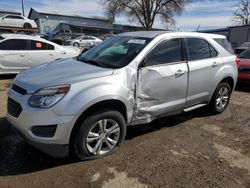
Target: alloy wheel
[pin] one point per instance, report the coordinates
(103, 136)
(222, 98)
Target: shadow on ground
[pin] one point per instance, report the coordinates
(244, 87)
(7, 76)
(17, 157)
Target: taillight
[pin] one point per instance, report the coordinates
(237, 61)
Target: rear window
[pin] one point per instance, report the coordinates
(225, 44)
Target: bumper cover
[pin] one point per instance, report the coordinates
(54, 150)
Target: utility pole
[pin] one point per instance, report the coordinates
(23, 7)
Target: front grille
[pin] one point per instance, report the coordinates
(18, 89)
(14, 108)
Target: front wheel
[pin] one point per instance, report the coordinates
(221, 97)
(99, 135)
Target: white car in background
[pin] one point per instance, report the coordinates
(19, 52)
(84, 41)
(17, 21)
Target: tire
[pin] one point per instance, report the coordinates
(93, 141)
(221, 98)
(76, 44)
(27, 26)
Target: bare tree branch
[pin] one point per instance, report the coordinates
(242, 13)
(145, 11)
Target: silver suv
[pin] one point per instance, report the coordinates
(85, 105)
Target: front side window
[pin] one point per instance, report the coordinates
(169, 51)
(38, 45)
(197, 49)
(13, 44)
(115, 52)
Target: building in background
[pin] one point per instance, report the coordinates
(53, 22)
(236, 35)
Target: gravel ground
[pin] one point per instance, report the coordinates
(189, 150)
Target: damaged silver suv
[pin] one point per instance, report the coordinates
(85, 105)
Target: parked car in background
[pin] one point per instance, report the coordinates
(244, 67)
(85, 105)
(84, 41)
(17, 21)
(19, 52)
(107, 36)
(241, 48)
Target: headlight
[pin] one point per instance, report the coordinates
(49, 96)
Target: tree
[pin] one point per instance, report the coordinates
(145, 11)
(242, 12)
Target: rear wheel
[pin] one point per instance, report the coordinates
(100, 135)
(76, 44)
(27, 26)
(220, 98)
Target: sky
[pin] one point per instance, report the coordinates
(202, 14)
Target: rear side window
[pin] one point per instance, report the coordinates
(198, 49)
(13, 44)
(169, 51)
(225, 44)
(213, 52)
(38, 45)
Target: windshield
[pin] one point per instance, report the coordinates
(246, 44)
(115, 52)
(77, 37)
(245, 54)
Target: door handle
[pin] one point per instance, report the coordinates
(215, 64)
(179, 73)
(22, 55)
(51, 54)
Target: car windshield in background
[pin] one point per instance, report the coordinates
(115, 52)
(225, 44)
(246, 44)
(245, 54)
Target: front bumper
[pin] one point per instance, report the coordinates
(57, 144)
(54, 150)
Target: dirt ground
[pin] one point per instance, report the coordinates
(189, 150)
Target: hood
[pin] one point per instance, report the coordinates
(244, 62)
(67, 71)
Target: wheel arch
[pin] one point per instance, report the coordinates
(113, 104)
(230, 81)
